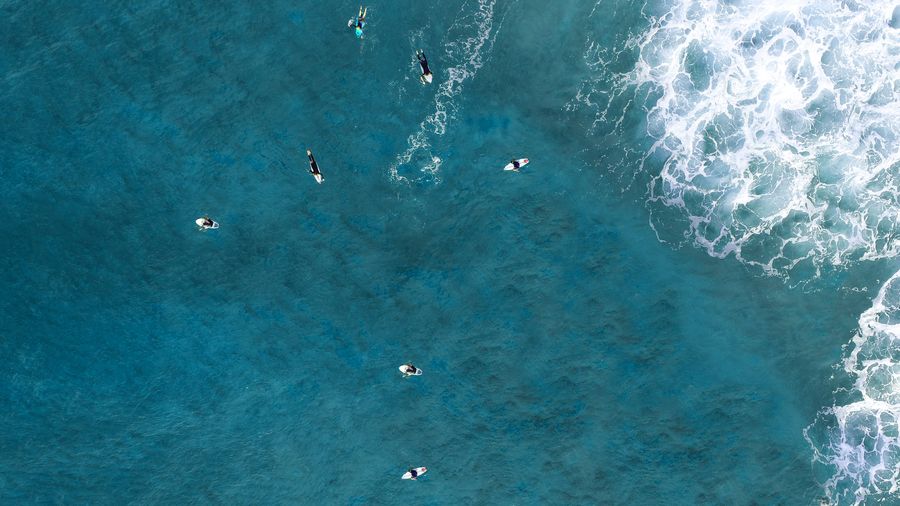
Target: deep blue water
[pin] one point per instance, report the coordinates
(570, 357)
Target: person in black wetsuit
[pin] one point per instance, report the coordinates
(411, 369)
(516, 164)
(313, 166)
(414, 473)
(207, 223)
(426, 72)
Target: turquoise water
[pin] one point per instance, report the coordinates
(570, 356)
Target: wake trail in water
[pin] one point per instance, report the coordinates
(469, 52)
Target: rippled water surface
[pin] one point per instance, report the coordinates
(654, 311)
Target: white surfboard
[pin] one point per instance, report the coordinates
(419, 472)
(405, 370)
(199, 222)
(318, 178)
(522, 162)
(427, 78)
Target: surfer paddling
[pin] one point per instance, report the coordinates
(426, 76)
(314, 167)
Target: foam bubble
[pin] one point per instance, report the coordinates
(468, 52)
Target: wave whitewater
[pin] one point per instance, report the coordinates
(857, 441)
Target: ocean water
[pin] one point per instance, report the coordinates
(688, 297)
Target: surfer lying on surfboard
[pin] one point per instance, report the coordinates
(516, 164)
(314, 167)
(206, 223)
(426, 72)
(414, 473)
(410, 370)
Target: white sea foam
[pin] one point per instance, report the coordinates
(779, 125)
(857, 442)
(469, 52)
(774, 130)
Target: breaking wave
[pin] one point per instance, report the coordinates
(777, 123)
(856, 441)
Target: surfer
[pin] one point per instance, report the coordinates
(314, 167)
(414, 473)
(515, 164)
(206, 223)
(410, 370)
(360, 21)
(426, 72)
